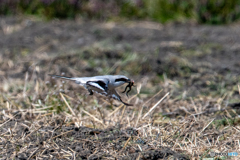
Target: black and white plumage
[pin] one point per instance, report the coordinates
(104, 85)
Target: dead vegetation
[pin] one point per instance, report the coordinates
(185, 105)
(76, 126)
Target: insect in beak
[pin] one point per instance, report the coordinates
(130, 84)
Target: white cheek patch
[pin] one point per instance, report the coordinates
(119, 83)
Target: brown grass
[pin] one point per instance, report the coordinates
(185, 104)
(192, 127)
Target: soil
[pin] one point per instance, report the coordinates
(56, 140)
(204, 60)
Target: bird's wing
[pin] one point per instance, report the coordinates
(99, 86)
(113, 94)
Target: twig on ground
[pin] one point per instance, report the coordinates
(25, 85)
(33, 132)
(122, 113)
(96, 119)
(140, 113)
(67, 104)
(207, 125)
(155, 105)
(8, 120)
(33, 153)
(238, 89)
(62, 134)
(125, 145)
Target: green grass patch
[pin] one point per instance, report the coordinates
(211, 12)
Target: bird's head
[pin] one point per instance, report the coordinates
(120, 80)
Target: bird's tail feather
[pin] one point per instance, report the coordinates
(57, 76)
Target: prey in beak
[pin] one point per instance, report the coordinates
(130, 84)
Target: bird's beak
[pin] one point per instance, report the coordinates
(130, 81)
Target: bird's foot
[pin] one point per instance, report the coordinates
(90, 92)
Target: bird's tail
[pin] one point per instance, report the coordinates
(57, 76)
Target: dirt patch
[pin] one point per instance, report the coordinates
(33, 137)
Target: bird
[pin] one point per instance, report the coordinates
(104, 85)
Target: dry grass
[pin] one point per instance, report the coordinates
(41, 118)
(39, 123)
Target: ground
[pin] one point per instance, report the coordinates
(196, 65)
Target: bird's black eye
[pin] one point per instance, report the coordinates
(121, 80)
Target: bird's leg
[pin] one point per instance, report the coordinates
(90, 92)
(126, 103)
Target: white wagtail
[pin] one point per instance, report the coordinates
(104, 85)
